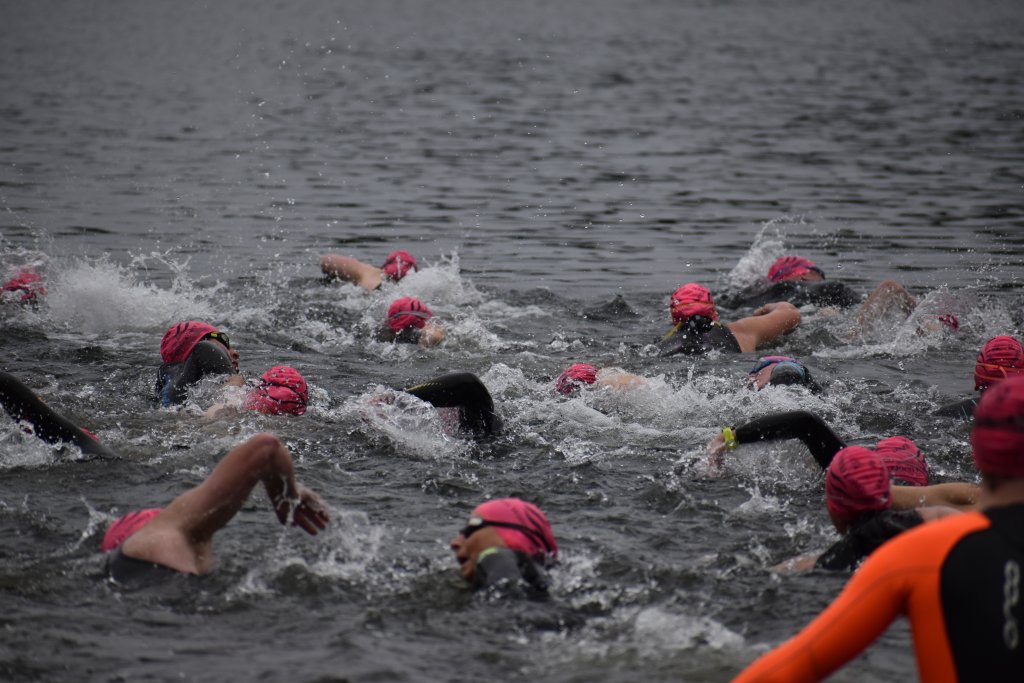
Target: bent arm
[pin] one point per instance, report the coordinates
(353, 270)
(465, 391)
(959, 495)
(768, 323)
(798, 424)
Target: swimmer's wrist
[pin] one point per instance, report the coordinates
(729, 437)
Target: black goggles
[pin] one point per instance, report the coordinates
(221, 337)
(475, 524)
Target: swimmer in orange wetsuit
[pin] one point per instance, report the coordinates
(958, 579)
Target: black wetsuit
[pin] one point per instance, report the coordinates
(129, 570)
(21, 404)
(407, 335)
(963, 409)
(696, 336)
(796, 292)
(798, 424)
(865, 536)
(464, 391)
(504, 570)
(174, 379)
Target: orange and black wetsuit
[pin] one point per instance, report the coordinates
(959, 582)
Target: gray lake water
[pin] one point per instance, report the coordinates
(559, 168)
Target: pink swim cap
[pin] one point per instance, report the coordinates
(397, 264)
(281, 390)
(28, 282)
(407, 312)
(574, 376)
(856, 482)
(122, 528)
(904, 459)
(998, 435)
(690, 300)
(791, 268)
(1000, 357)
(521, 525)
(180, 339)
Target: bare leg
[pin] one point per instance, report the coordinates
(348, 268)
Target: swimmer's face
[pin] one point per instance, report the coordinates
(467, 549)
(232, 354)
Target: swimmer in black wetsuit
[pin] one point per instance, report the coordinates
(697, 329)
(467, 395)
(190, 351)
(23, 405)
(798, 281)
(396, 266)
(999, 358)
(179, 538)
(411, 322)
(506, 546)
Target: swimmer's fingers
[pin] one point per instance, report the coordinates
(311, 514)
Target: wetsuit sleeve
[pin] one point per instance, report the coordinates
(962, 409)
(21, 404)
(798, 424)
(505, 568)
(465, 391)
(207, 358)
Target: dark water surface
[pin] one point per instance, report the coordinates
(559, 168)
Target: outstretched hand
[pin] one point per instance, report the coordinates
(716, 449)
(310, 514)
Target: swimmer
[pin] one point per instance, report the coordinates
(411, 322)
(24, 406)
(697, 329)
(958, 579)
(25, 287)
(156, 543)
(578, 375)
(799, 281)
(999, 358)
(780, 371)
(281, 390)
(396, 266)
(507, 543)
(190, 351)
(468, 398)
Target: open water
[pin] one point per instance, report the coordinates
(559, 167)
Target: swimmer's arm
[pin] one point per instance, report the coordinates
(795, 565)
(766, 324)
(960, 495)
(798, 424)
(617, 378)
(353, 270)
(431, 334)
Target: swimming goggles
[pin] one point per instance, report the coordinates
(475, 524)
(416, 314)
(221, 337)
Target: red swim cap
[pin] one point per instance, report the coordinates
(998, 435)
(573, 376)
(690, 300)
(281, 390)
(856, 482)
(397, 264)
(1000, 357)
(122, 528)
(180, 339)
(407, 312)
(528, 529)
(792, 268)
(904, 459)
(28, 282)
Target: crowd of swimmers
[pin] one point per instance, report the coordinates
(948, 555)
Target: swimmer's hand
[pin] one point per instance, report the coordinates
(769, 307)
(235, 381)
(795, 565)
(310, 514)
(716, 452)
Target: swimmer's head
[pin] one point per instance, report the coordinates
(122, 528)
(794, 268)
(398, 264)
(779, 371)
(574, 377)
(904, 459)
(1000, 357)
(281, 390)
(407, 312)
(504, 522)
(692, 300)
(997, 439)
(856, 483)
(180, 339)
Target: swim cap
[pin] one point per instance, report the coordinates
(1000, 357)
(180, 339)
(691, 300)
(904, 459)
(998, 435)
(856, 482)
(573, 376)
(122, 528)
(528, 529)
(281, 390)
(787, 370)
(26, 281)
(397, 264)
(950, 320)
(407, 312)
(792, 268)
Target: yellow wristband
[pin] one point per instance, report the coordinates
(729, 436)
